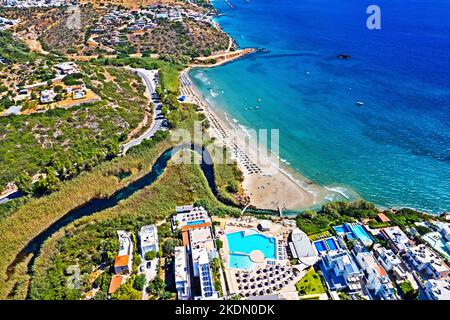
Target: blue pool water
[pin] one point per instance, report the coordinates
(332, 244)
(361, 234)
(320, 246)
(394, 150)
(339, 229)
(195, 222)
(240, 261)
(240, 246)
(350, 236)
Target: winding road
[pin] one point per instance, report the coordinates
(150, 78)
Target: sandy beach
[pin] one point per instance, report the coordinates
(268, 184)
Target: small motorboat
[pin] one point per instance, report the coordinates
(359, 103)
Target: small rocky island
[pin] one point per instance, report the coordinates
(344, 56)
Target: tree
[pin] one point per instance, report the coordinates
(156, 286)
(24, 183)
(168, 247)
(233, 186)
(139, 282)
(150, 255)
(407, 290)
(47, 185)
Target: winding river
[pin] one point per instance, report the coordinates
(98, 204)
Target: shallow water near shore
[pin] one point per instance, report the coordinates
(395, 149)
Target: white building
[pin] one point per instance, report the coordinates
(47, 96)
(398, 240)
(341, 271)
(201, 267)
(437, 289)
(193, 260)
(444, 229)
(302, 248)
(390, 261)
(66, 68)
(182, 277)
(149, 239)
(124, 260)
(377, 279)
(188, 216)
(425, 260)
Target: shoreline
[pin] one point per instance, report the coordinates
(269, 183)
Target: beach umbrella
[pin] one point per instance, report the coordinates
(261, 293)
(247, 294)
(254, 293)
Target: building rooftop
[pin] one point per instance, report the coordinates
(181, 272)
(397, 236)
(424, 255)
(438, 289)
(148, 235)
(302, 248)
(121, 261)
(125, 244)
(115, 283)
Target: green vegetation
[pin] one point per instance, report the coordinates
(150, 255)
(92, 241)
(406, 217)
(215, 266)
(422, 230)
(64, 142)
(12, 49)
(407, 291)
(168, 71)
(139, 282)
(310, 284)
(334, 213)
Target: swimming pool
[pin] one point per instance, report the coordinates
(339, 229)
(241, 244)
(320, 246)
(361, 234)
(195, 222)
(332, 244)
(240, 261)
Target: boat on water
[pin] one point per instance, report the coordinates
(307, 73)
(359, 103)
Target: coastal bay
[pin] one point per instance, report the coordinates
(392, 150)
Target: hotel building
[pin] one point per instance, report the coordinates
(193, 273)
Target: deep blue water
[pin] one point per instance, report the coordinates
(394, 150)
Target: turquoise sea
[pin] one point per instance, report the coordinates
(395, 149)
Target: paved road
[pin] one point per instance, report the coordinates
(150, 78)
(10, 196)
